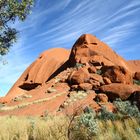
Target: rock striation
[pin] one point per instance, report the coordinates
(62, 81)
(38, 73)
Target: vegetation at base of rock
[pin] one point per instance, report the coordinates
(84, 127)
(137, 130)
(88, 120)
(99, 72)
(137, 82)
(79, 65)
(89, 125)
(56, 127)
(105, 115)
(127, 109)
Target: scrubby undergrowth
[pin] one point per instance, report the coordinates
(56, 128)
(123, 125)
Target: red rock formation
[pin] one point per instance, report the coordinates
(95, 52)
(79, 76)
(117, 74)
(85, 86)
(39, 72)
(134, 65)
(118, 90)
(101, 98)
(106, 80)
(91, 75)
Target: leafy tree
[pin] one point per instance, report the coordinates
(10, 11)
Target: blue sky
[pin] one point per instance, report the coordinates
(58, 23)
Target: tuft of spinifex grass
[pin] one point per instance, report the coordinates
(56, 127)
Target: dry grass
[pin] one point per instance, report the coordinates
(33, 128)
(75, 95)
(88, 126)
(56, 128)
(119, 130)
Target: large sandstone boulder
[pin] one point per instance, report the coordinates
(106, 80)
(91, 50)
(79, 76)
(118, 90)
(39, 72)
(101, 97)
(96, 77)
(47, 63)
(85, 86)
(117, 74)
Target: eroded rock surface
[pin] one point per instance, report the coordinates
(60, 81)
(118, 90)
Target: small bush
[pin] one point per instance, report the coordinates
(126, 108)
(137, 130)
(99, 72)
(79, 65)
(137, 82)
(89, 121)
(90, 110)
(85, 126)
(105, 115)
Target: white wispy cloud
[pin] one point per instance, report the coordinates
(90, 22)
(119, 33)
(67, 2)
(125, 9)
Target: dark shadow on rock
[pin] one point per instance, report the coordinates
(60, 69)
(29, 86)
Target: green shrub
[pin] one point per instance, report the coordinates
(126, 108)
(89, 121)
(105, 115)
(137, 130)
(84, 126)
(78, 65)
(90, 110)
(99, 72)
(137, 82)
